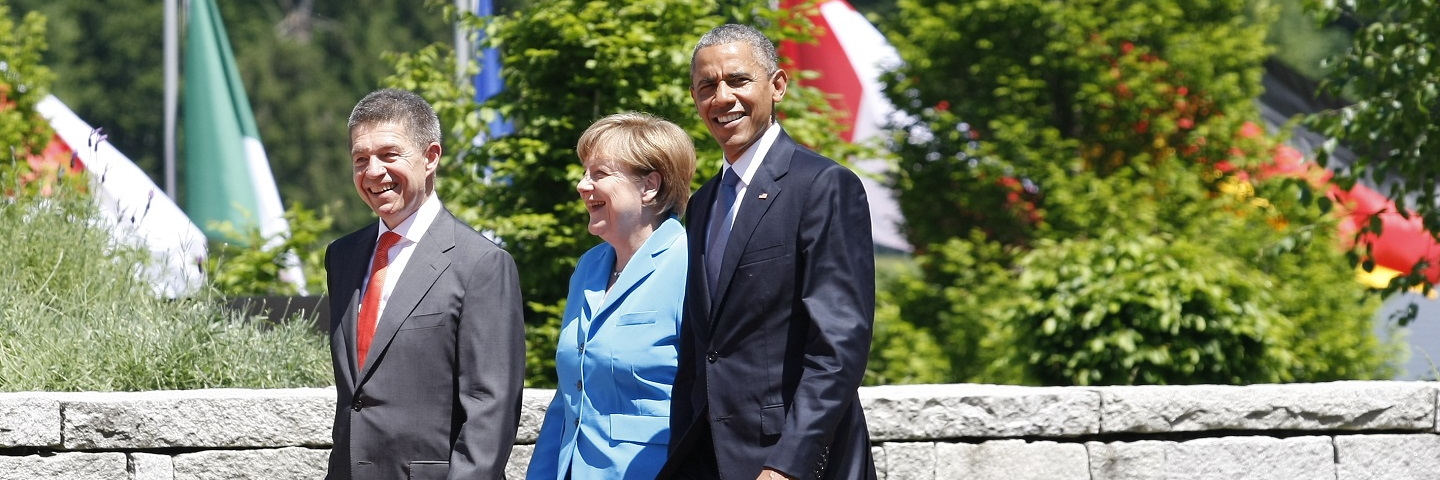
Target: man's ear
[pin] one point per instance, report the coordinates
(432, 157)
(779, 82)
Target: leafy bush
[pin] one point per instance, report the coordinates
(1085, 188)
(902, 351)
(1144, 310)
(248, 263)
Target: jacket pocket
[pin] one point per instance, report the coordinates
(762, 254)
(429, 470)
(637, 318)
(772, 419)
(640, 429)
(424, 320)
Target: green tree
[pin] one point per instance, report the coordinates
(24, 81)
(565, 64)
(1085, 191)
(1298, 42)
(107, 58)
(1391, 73)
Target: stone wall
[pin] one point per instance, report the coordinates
(1330, 431)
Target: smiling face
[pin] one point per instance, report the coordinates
(621, 203)
(392, 175)
(734, 95)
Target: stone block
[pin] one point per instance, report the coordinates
(149, 466)
(290, 463)
(65, 466)
(878, 453)
(215, 418)
(925, 412)
(1387, 457)
(29, 420)
(1011, 460)
(1251, 458)
(519, 462)
(1314, 407)
(909, 461)
(1142, 460)
(532, 413)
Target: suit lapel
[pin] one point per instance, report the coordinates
(641, 265)
(356, 265)
(594, 286)
(762, 192)
(422, 270)
(698, 218)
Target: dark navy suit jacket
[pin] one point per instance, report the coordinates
(774, 360)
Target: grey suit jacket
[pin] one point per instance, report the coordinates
(439, 397)
(773, 363)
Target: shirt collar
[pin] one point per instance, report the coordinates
(415, 227)
(749, 162)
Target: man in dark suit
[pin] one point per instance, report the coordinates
(426, 333)
(780, 297)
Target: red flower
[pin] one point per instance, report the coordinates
(1249, 130)
(943, 106)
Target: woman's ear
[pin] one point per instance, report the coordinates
(650, 188)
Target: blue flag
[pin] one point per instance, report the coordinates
(488, 82)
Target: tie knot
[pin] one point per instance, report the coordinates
(388, 240)
(730, 179)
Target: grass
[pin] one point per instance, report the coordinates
(76, 316)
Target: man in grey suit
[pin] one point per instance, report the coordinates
(426, 334)
(780, 299)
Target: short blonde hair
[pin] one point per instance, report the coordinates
(645, 143)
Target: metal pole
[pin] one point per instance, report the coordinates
(462, 39)
(172, 89)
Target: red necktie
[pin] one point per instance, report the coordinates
(370, 305)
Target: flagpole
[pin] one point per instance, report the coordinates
(462, 39)
(172, 89)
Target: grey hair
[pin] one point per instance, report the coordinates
(760, 45)
(390, 105)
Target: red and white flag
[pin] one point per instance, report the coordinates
(850, 54)
(136, 211)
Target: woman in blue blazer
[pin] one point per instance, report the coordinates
(616, 357)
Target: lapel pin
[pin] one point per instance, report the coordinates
(764, 196)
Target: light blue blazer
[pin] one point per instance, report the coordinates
(616, 360)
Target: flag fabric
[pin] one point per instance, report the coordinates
(850, 54)
(137, 212)
(227, 175)
(488, 82)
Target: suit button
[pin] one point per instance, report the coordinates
(712, 357)
(579, 384)
(359, 404)
(577, 422)
(582, 348)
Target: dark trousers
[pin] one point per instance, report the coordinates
(697, 462)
